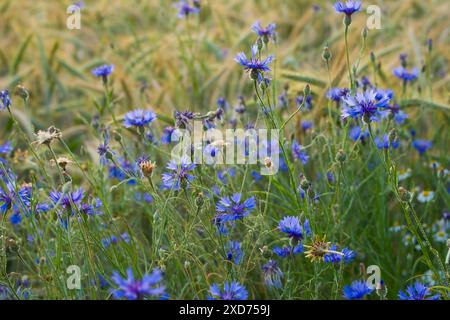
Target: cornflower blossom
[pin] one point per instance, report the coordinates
(405, 74)
(138, 118)
(265, 33)
(422, 145)
(131, 288)
(103, 72)
(5, 99)
(185, 9)
(179, 174)
(417, 291)
(366, 105)
(255, 66)
(231, 291)
(272, 274)
(357, 290)
(233, 208)
(299, 153)
(347, 7)
(234, 252)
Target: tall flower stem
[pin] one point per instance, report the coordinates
(348, 57)
(413, 221)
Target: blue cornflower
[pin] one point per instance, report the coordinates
(138, 118)
(330, 177)
(232, 208)
(356, 134)
(231, 291)
(299, 153)
(234, 252)
(223, 175)
(222, 103)
(92, 208)
(336, 94)
(104, 150)
(308, 102)
(256, 176)
(346, 254)
(265, 33)
(349, 7)
(272, 274)
(284, 252)
(422, 145)
(17, 200)
(291, 226)
(182, 119)
(283, 99)
(306, 125)
(384, 143)
(5, 149)
(166, 137)
(179, 174)
(366, 105)
(5, 99)
(417, 291)
(133, 289)
(15, 218)
(405, 74)
(185, 9)
(398, 115)
(357, 290)
(103, 71)
(65, 200)
(254, 65)
(123, 169)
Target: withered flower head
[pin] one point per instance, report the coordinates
(318, 249)
(62, 162)
(46, 137)
(147, 168)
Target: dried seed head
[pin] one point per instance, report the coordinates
(318, 249)
(46, 137)
(62, 162)
(268, 163)
(22, 92)
(147, 168)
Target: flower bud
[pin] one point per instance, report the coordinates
(347, 20)
(405, 195)
(341, 156)
(326, 54)
(147, 168)
(307, 90)
(305, 184)
(200, 200)
(22, 92)
(392, 136)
